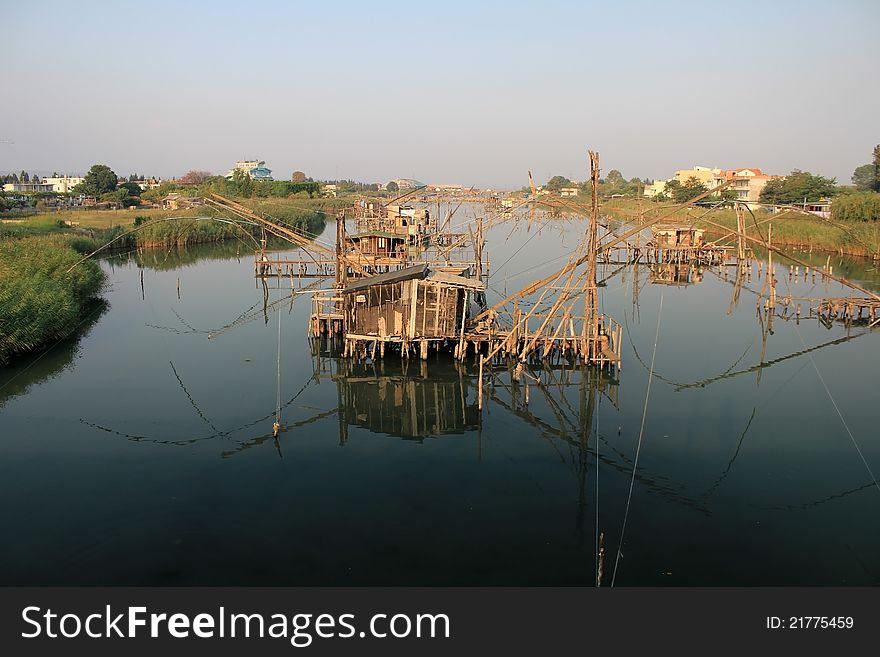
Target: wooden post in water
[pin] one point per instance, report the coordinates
(591, 313)
(770, 273)
(340, 250)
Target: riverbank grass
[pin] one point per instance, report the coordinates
(40, 300)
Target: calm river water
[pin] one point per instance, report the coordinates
(141, 451)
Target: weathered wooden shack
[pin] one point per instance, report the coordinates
(665, 236)
(414, 305)
(378, 243)
(413, 224)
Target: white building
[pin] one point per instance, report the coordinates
(256, 169)
(655, 189)
(27, 187)
(148, 183)
(63, 184)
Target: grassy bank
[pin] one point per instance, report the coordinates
(167, 228)
(39, 300)
(793, 229)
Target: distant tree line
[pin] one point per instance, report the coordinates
(351, 186)
(23, 177)
(613, 184)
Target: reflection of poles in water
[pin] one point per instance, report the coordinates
(766, 329)
(265, 301)
(585, 417)
(277, 424)
(769, 305)
(341, 405)
(741, 263)
(636, 289)
(190, 398)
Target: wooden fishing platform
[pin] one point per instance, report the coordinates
(266, 266)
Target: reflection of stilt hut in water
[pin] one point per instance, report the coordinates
(675, 273)
(410, 306)
(410, 407)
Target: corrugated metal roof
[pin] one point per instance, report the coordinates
(418, 271)
(453, 279)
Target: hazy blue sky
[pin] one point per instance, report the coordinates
(469, 92)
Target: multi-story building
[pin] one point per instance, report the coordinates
(704, 174)
(63, 184)
(254, 168)
(748, 183)
(27, 187)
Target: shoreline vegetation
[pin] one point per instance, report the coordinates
(41, 301)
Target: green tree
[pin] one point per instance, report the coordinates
(858, 206)
(615, 178)
(691, 189)
(864, 177)
(797, 187)
(133, 188)
(392, 187)
(121, 196)
(877, 168)
(556, 183)
(671, 188)
(243, 184)
(99, 180)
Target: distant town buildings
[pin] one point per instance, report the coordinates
(329, 190)
(256, 169)
(568, 191)
(747, 182)
(443, 187)
(148, 183)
